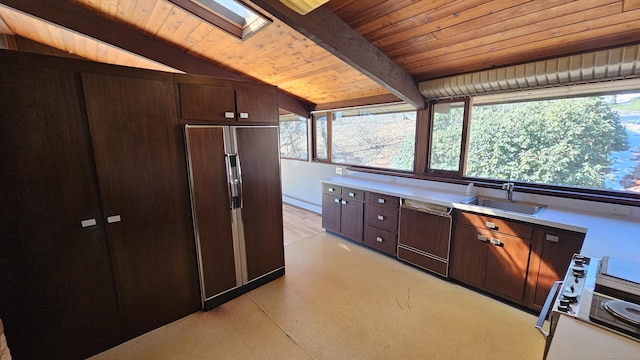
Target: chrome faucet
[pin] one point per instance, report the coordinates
(509, 187)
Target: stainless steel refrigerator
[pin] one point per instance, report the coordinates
(236, 201)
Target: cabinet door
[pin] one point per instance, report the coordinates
(140, 160)
(207, 103)
(259, 156)
(352, 219)
(468, 256)
(331, 213)
(506, 270)
(57, 291)
(557, 248)
(211, 209)
(257, 106)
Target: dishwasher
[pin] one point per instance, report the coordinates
(424, 237)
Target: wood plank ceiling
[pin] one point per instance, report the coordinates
(425, 38)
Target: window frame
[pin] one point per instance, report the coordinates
(592, 194)
(222, 23)
(464, 142)
(331, 116)
(307, 132)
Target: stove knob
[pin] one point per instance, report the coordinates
(564, 308)
(564, 302)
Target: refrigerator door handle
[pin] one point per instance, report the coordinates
(239, 182)
(235, 181)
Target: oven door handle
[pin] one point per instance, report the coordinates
(546, 307)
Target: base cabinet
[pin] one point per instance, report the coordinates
(550, 260)
(343, 211)
(491, 254)
(381, 222)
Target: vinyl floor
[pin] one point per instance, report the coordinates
(340, 300)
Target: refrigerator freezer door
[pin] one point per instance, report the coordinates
(207, 147)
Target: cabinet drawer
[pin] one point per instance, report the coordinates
(495, 225)
(354, 194)
(383, 200)
(332, 189)
(382, 217)
(380, 239)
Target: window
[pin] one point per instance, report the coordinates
(293, 137)
(321, 139)
(380, 137)
(446, 137)
(587, 143)
(228, 15)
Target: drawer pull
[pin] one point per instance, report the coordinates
(336, 200)
(88, 223)
(482, 238)
(229, 115)
(344, 202)
(379, 239)
(381, 201)
(553, 238)
(380, 217)
(331, 189)
(244, 115)
(491, 225)
(113, 219)
(497, 242)
(352, 194)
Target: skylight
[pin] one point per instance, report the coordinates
(228, 15)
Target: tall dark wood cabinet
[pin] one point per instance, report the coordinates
(139, 159)
(57, 292)
(97, 243)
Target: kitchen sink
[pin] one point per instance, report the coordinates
(520, 207)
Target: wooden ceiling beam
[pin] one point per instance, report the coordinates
(328, 31)
(81, 20)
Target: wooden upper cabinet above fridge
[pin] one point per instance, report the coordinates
(226, 102)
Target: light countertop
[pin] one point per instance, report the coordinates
(606, 235)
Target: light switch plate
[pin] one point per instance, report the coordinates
(339, 170)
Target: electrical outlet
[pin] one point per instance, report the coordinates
(621, 210)
(339, 170)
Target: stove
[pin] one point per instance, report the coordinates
(616, 297)
(603, 292)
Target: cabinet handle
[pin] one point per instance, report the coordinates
(336, 200)
(113, 219)
(332, 189)
(244, 115)
(344, 202)
(552, 238)
(88, 222)
(491, 225)
(482, 238)
(229, 115)
(352, 194)
(379, 239)
(497, 242)
(380, 217)
(380, 201)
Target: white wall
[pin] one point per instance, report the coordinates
(301, 184)
(302, 187)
